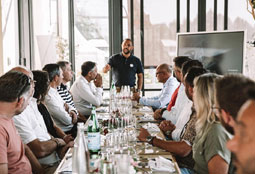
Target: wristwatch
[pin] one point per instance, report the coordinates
(150, 139)
(168, 133)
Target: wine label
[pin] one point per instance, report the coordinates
(94, 140)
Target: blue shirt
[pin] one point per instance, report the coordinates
(124, 70)
(164, 97)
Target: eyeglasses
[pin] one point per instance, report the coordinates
(160, 72)
(28, 82)
(216, 110)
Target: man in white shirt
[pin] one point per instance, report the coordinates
(164, 75)
(63, 114)
(184, 114)
(87, 90)
(33, 132)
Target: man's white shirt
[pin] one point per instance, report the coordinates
(31, 126)
(56, 108)
(85, 95)
(175, 111)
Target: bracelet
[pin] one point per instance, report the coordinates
(57, 142)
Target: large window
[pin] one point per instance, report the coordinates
(91, 35)
(159, 38)
(243, 21)
(10, 34)
(220, 15)
(50, 23)
(193, 15)
(210, 15)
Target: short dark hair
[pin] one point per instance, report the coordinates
(191, 63)
(232, 92)
(251, 93)
(179, 60)
(13, 85)
(52, 69)
(127, 39)
(62, 64)
(86, 67)
(41, 85)
(192, 74)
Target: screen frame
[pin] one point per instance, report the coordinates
(217, 32)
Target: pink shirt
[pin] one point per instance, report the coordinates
(12, 150)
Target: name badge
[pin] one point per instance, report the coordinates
(131, 65)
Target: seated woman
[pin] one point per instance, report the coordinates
(41, 89)
(209, 148)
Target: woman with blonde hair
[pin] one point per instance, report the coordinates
(209, 149)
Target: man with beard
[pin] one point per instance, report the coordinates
(15, 92)
(231, 94)
(125, 66)
(243, 143)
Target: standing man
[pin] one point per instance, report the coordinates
(125, 66)
(164, 75)
(15, 93)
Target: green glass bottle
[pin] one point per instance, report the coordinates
(94, 136)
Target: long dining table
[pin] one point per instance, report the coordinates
(143, 157)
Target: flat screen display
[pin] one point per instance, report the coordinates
(220, 52)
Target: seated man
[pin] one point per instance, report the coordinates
(182, 146)
(181, 99)
(63, 88)
(231, 94)
(87, 90)
(15, 92)
(63, 114)
(244, 141)
(163, 74)
(178, 96)
(33, 131)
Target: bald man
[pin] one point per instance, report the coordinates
(170, 83)
(243, 143)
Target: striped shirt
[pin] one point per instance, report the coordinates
(66, 95)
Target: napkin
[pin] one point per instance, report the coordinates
(151, 127)
(145, 109)
(67, 165)
(161, 164)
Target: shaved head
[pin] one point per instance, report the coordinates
(24, 70)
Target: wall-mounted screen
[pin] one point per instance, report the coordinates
(220, 52)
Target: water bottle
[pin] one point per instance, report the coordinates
(80, 157)
(94, 136)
